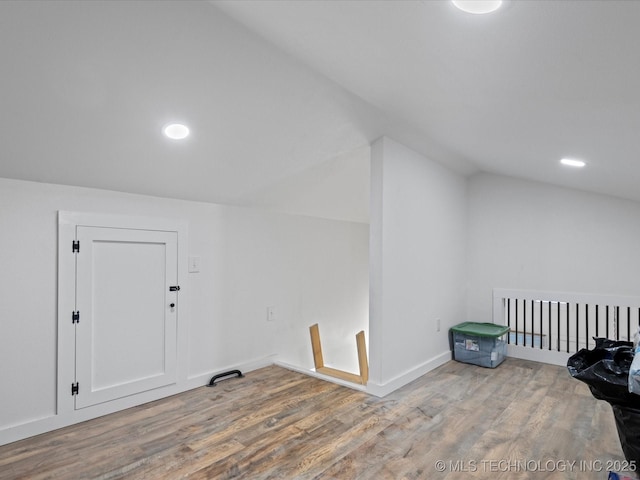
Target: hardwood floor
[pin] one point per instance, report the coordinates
(275, 423)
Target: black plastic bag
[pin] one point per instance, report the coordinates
(628, 425)
(605, 369)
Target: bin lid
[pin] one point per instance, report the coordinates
(481, 329)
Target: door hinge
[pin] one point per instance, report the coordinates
(75, 317)
(75, 246)
(74, 388)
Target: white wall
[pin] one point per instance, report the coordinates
(312, 270)
(439, 244)
(417, 262)
(309, 269)
(529, 235)
(337, 189)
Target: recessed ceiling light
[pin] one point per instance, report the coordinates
(570, 162)
(176, 131)
(477, 7)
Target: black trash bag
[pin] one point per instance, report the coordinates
(605, 369)
(628, 425)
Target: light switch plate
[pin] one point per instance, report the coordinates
(194, 264)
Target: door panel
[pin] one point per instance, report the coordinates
(126, 337)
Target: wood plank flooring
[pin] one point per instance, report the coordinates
(521, 420)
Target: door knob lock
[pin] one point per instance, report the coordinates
(172, 305)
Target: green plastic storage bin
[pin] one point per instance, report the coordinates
(479, 343)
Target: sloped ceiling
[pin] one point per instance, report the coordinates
(279, 93)
(510, 92)
(87, 87)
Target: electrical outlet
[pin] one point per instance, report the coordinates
(271, 314)
(437, 324)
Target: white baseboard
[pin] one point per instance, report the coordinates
(538, 355)
(374, 388)
(381, 390)
(313, 373)
(203, 378)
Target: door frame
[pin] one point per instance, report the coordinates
(67, 223)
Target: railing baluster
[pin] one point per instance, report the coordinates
(607, 323)
(617, 318)
(524, 320)
(568, 327)
(533, 322)
(628, 324)
(509, 319)
(577, 327)
(586, 320)
(541, 315)
(558, 311)
(549, 325)
(516, 321)
(597, 308)
(549, 308)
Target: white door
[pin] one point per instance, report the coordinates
(127, 309)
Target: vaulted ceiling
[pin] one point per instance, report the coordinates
(510, 92)
(283, 97)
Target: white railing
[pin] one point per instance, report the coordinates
(551, 326)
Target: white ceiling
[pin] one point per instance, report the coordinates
(283, 104)
(511, 92)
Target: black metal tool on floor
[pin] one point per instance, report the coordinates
(222, 375)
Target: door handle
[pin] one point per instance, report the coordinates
(175, 288)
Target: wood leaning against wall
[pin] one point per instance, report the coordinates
(318, 360)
